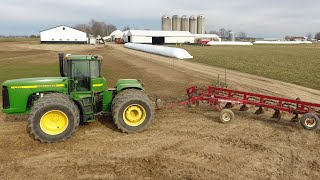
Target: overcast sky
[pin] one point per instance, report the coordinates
(258, 18)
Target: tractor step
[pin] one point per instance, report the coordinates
(88, 108)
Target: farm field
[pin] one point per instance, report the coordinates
(296, 64)
(181, 143)
(12, 39)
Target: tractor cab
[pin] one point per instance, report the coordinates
(83, 72)
(86, 84)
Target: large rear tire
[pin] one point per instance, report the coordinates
(132, 111)
(54, 118)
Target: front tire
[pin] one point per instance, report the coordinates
(54, 118)
(132, 111)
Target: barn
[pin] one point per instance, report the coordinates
(63, 35)
(158, 37)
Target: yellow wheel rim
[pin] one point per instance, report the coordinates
(134, 115)
(54, 122)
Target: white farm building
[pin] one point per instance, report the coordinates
(157, 37)
(63, 35)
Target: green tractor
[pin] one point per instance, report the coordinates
(57, 105)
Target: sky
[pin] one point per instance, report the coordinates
(257, 18)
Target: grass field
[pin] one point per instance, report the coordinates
(296, 64)
(9, 39)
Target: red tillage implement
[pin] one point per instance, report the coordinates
(214, 96)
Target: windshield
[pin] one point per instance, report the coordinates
(86, 69)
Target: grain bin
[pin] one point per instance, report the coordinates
(232, 36)
(184, 23)
(176, 23)
(201, 24)
(166, 23)
(193, 25)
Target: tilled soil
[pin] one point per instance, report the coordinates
(181, 143)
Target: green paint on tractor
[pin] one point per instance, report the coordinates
(79, 95)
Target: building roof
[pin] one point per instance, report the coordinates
(61, 26)
(206, 36)
(151, 33)
(115, 32)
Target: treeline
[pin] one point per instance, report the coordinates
(96, 28)
(224, 33)
(317, 36)
(31, 36)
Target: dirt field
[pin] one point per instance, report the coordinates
(181, 143)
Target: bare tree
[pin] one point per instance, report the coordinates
(224, 33)
(97, 28)
(317, 36)
(213, 32)
(82, 27)
(126, 28)
(110, 28)
(241, 34)
(309, 36)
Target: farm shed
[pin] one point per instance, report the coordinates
(63, 35)
(158, 37)
(114, 36)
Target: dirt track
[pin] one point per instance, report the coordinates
(181, 143)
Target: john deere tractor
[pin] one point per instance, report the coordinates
(58, 104)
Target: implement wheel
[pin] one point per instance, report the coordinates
(132, 111)
(226, 116)
(310, 121)
(54, 118)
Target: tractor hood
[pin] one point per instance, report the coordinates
(17, 92)
(31, 83)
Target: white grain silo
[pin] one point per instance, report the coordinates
(166, 23)
(176, 23)
(184, 23)
(193, 25)
(201, 24)
(232, 36)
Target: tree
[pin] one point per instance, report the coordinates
(82, 27)
(126, 28)
(309, 36)
(287, 38)
(241, 34)
(224, 33)
(110, 28)
(317, 36)
(213, 32)
(96, 28)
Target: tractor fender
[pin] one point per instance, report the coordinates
(128, 84)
